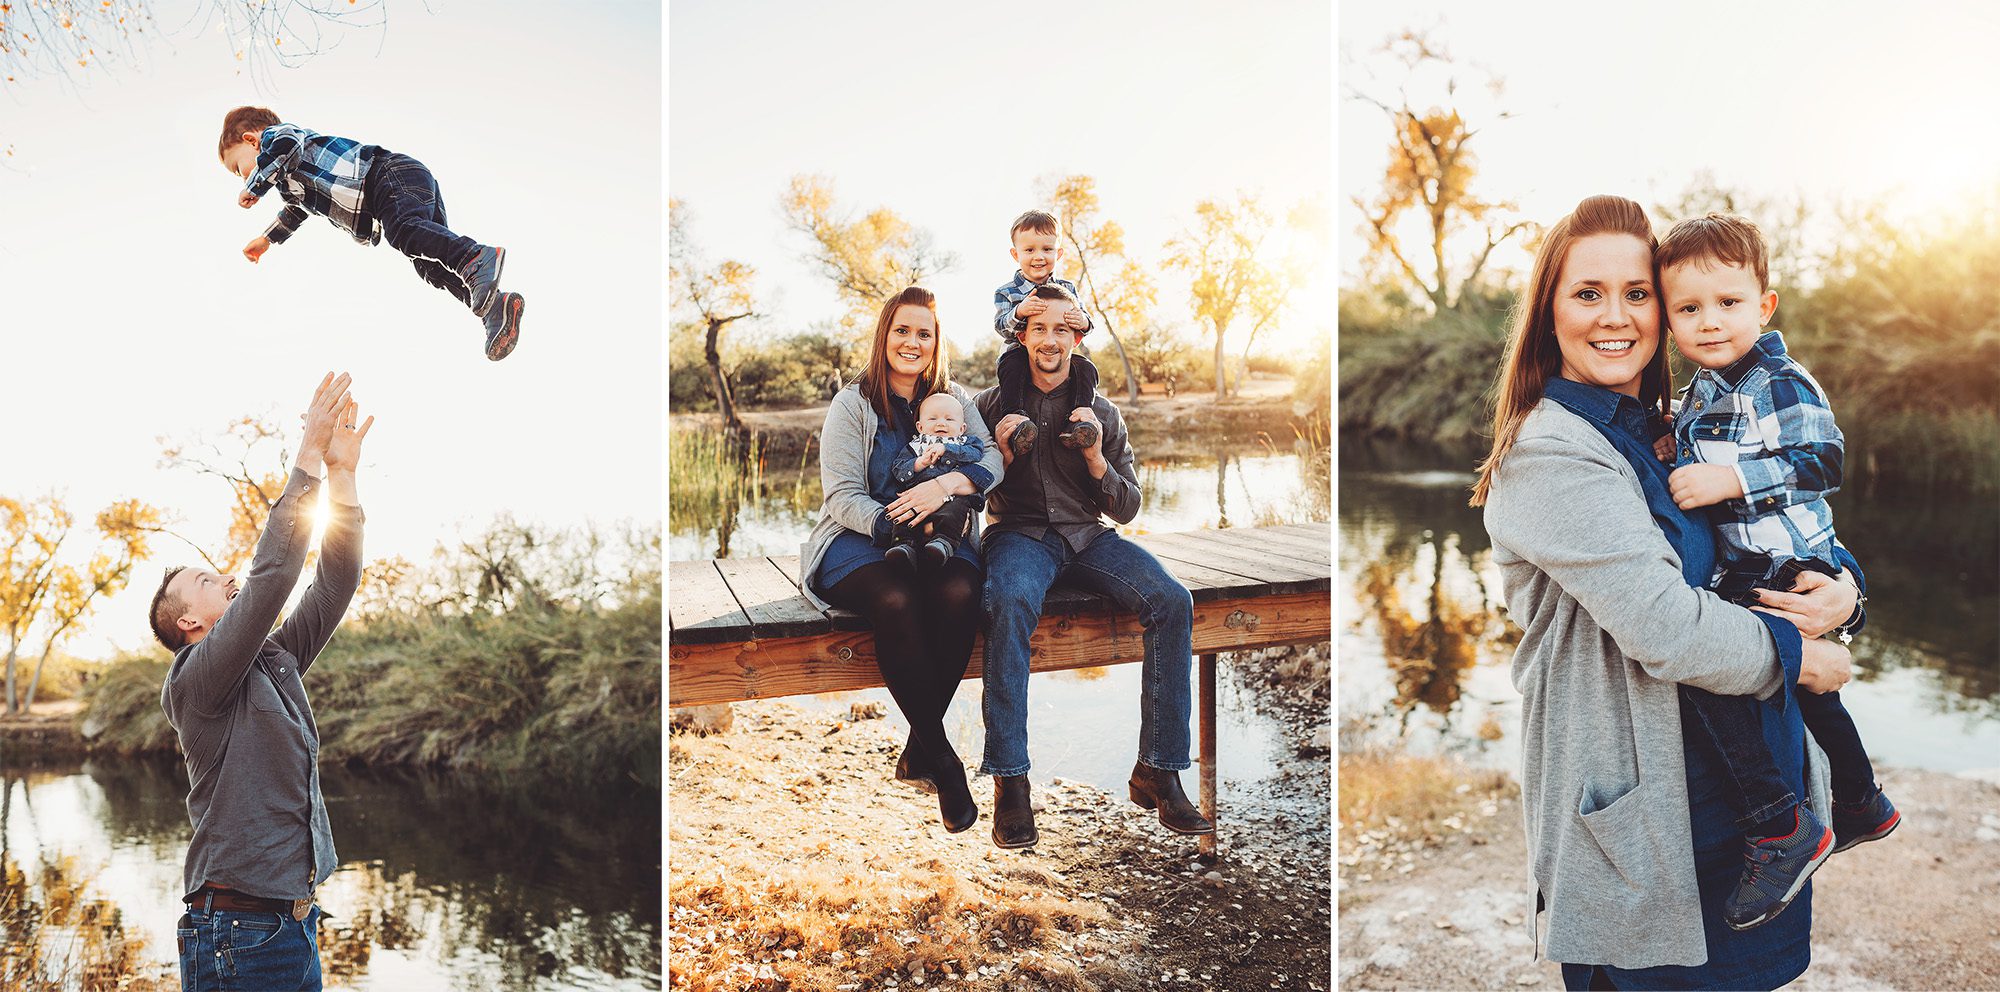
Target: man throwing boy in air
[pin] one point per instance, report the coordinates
(234, 695)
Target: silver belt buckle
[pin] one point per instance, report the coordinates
(299, 909)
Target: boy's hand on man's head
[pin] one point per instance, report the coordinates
(1075, 320)
(246, 199)
(256, 248)
(1703, 485)
(1030, 307)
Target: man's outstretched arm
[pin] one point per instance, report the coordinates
(338, 574)
(213, 668)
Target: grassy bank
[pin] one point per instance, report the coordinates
(524, 678)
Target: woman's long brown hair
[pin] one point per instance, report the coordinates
(1533, 355)
(875, 378)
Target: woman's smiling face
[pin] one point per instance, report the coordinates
(912, 340)
(1607, 315)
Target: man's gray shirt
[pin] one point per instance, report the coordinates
(239, 706)
(1050, 488)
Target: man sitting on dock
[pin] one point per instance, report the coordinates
(236, 701)
(1044, 524)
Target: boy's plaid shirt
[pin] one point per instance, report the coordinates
(318, 173)
(1765, 416)
(1007, 297)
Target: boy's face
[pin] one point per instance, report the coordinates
(1715, 310)
(941, 417)
(1037, 254)
(241, 158)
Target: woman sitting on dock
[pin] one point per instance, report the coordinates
(924, 625)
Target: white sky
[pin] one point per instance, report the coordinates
(129, 314)
(949, 113)
(1829, 99)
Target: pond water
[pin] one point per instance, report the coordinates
(443, 883)
(1424, 651)
(1083, 725)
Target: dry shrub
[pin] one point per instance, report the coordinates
(1380, 787)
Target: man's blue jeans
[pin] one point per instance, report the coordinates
(1019, 572)
(223, 951)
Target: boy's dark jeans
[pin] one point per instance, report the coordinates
(1014, 378)
(1731, 721)
(403, 196)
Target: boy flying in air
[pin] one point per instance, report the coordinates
(373, 194)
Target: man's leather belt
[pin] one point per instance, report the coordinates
(238, 902)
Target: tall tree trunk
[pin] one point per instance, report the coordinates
(723, 400)
(1221, 366)
(1131, 380)
(12, 708)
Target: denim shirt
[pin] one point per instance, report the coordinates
(1778, 951)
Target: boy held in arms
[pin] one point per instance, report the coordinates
(940, 447)
(1037, 249)
(1757, 444)
(373, 194)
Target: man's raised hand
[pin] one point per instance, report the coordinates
(319, 420)
(343, 451)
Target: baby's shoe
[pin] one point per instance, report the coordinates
(1080, 435)
(503, 325)
(1775, 869)
(1870, 819)
(933, 554)
(904, 553)
(482, 277)
(1023, 439)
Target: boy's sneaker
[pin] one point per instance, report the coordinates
(1775, 869)
(482, 277)
(1081, 435)
(503, 325)
(1871, 819)
(1023, 438)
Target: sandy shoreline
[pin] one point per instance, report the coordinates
(1442, 907)
(795, 863)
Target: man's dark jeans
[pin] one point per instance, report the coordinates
(222, 950)
(1019, 572)
(403, 196)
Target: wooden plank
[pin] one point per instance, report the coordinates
(771, 601)
(1308, 548)
(1204, 582)
(1252, 545)
(1192, 548)
(700, 608)
(701, 673)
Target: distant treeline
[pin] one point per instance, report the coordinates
(1902, 330)
(520, 652)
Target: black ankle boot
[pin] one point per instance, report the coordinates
(954, 796)
(1013, 813)
(1157, 788)
(910, 773)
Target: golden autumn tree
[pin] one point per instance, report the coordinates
(1425, 222)
(45, 598)
(720, 294)
(868, 257)
(236, 457)
(1232, 280)
(1124, 297)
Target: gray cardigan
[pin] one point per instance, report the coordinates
(1609, 627)
(846, 441)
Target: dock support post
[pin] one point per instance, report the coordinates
(1207, 710)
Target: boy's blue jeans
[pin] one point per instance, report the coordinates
(1019, 572)
(223, 951)
(403, 196)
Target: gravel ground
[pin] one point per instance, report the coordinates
(1913, 911)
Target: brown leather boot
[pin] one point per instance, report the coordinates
(1157, 788)
(1023, 438)
(1013, 813)
(910, 775)
(1080, 435)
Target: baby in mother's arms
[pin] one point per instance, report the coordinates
(1755, 442)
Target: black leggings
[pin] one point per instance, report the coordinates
(923, 640)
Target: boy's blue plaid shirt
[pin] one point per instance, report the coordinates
(1765, 416)
(1007, 297)
(318, 173)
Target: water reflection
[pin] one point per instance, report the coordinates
(1425, 644)
(443, 883)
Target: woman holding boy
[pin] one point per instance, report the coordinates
(1632, 845)
(924, 625)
